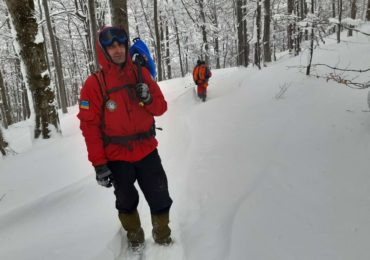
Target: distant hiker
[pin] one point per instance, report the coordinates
(117, 109)
(201, 75)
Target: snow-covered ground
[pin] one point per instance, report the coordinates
(274, 166)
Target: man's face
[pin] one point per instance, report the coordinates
(117, 52)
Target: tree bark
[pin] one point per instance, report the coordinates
(353, 15)
(57, 59)
(168, 55)
(33, 56)
(257, 45)
(290, 26)
(245, 37)
(216, 33)
(239, 25)
(4, 104)
(158, 41)
(266, 32)
(203, 29)
(178, 44)
(339, 26)
(119, 14)
(3, 144)
(93, 31)
(368, 11)
(308, 70)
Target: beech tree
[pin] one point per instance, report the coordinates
(33, 55)
(257, 45)
(239, 25)
(266, 32)
(3, 144)
(57, 59)
(119, 14)
(353, 15)
(4, 104)
(157, 40)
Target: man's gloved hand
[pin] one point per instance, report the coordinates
(142, 91)
(103, 176)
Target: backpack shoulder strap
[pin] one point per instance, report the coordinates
(99, 76)
(138, 61)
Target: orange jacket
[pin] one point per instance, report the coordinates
(201, 74)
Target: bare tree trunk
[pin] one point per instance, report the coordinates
(266, 32)
(353, 15)
(119, 14)
(57, 60)
(204, 32)
(333, 12)
(88, 48)
(168, 55)
(158, 41)
(33, 56)
(178, 43)
(93, 31)
(3, 144)
(239, 25)
(257, 45)
(339, 26)
(26, 111)
(245, 36)
(308, 70)
(368, 11)
(4, 104)
(290, 26)
(216, 34)
(163, 46)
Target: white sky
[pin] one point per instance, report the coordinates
(252, 176)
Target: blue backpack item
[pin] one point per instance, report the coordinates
(144, 57)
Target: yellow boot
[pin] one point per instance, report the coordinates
(135, 234)
(161, 231)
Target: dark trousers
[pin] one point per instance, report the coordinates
(152, 181)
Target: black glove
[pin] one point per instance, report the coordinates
(142, 91)
(103, 176)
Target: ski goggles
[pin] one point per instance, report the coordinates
(108, 35)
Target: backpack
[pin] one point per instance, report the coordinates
(140, 54)
(201, 73)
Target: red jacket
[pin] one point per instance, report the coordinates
(127, 118)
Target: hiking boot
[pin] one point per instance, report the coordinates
(161, 231)
(135, 234)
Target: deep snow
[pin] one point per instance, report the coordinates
(275, 165)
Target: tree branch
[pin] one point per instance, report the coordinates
(340, 69)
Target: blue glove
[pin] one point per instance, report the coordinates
(142, 91)
(103, 176)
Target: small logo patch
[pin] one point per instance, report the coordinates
(111, 105)
(84, 104)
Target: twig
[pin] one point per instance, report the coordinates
(335, 68)
(356, 30)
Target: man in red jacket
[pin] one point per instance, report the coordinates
(117, 121)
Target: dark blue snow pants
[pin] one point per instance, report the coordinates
(152, 181)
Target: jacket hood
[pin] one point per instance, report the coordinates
(104, 60)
